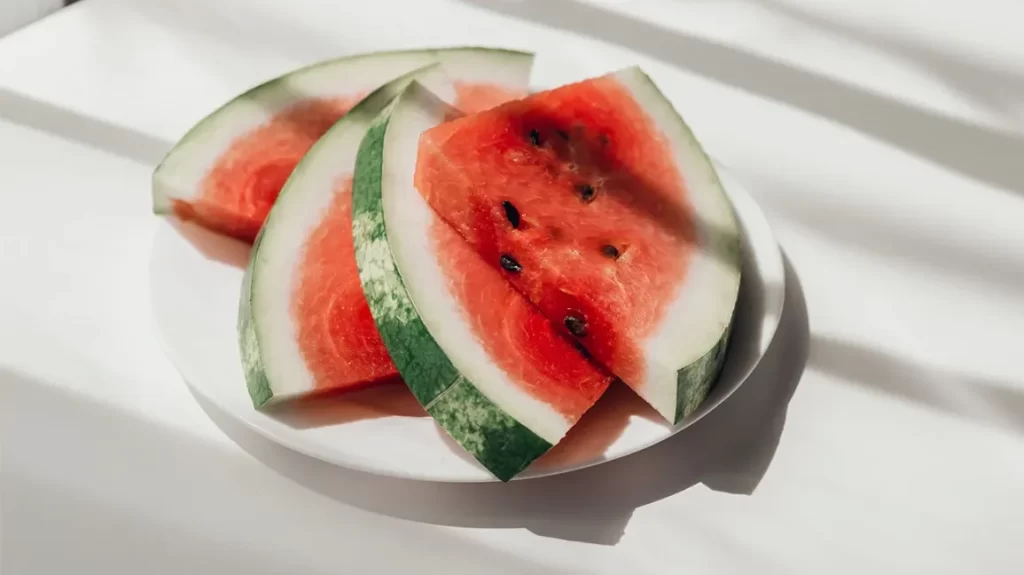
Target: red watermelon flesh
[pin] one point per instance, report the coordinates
(521, 340)
(241, 187)
(237, 193)
(344, 351)
(336, 333)
(573, 193)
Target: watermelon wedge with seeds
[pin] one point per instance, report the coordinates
(597, 203)
(227, 171)
(304, 325)
(486, 364)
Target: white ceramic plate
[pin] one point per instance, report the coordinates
(195, 280)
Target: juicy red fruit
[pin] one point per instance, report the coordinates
(517, 337)
(241, 187)
(604, 230)
(343, 350)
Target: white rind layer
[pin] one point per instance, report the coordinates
(302, 205)
(408, 219)
(308, 193)
(180, 174)
(703, 307)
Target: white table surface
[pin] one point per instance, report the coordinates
(883, 434)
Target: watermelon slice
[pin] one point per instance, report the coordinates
(595, 200)
(228, 170)
(486, 364)
(304, 325)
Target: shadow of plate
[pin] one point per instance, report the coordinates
(728, 450)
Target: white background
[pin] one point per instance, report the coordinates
(17, 13)
(885, 434)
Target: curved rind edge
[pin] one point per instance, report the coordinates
(695, 380)
(161, 200)
(257, 382)
(500, 443)
(252, 362)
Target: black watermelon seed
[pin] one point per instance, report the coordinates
(583, 351)
(509, 263)
(586, 192)
(603, 139)
(610, 251)
(563, 134)
(535, 137)
(576, 326)
(511, 213)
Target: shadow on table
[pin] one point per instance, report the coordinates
(986, 85)
(884, 232)
(728, 450)
(97, 134)
(119, 491)
(984, 154)
(261, 31)
(996, 403)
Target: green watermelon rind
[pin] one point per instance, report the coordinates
(258, 382)
(499, 442)
(272, 94)
(696, 380)
(686, 355)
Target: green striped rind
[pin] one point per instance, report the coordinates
(500, 443)
(696, 380)
(260, 390)
(252, 362)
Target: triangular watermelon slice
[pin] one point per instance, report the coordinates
(304, 325)
(228, 170)
(485, 363)
(595, 200)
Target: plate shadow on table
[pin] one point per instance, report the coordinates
(119, 491)
(985, 154)
(728, 450)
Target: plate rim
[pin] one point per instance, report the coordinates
(291, 440)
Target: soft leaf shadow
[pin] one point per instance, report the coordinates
(996, 90)
(259, 32)
(984, 154)
(882, 233)
(996, 403)
(95, 133)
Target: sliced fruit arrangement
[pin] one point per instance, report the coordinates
(491, 370)
(228, 170)
(595, 201)
(304, 324)
(418, 216)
